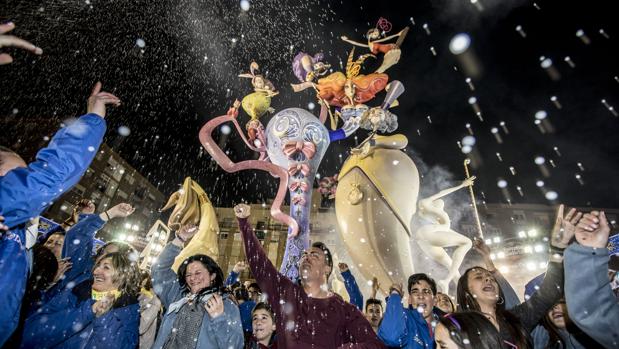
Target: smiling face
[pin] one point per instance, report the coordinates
(422, 298)
(483, 286)
(443, 302)
(313, 265)
(558, 314)
(198, 277)
(54, 243)
(104, 276)
(262, 325)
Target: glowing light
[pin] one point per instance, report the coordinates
(501, 183)
(551, 195)
(245, 5)
(531, 266)
(532, 233)
(225, 129)
(459, 43)
(496, 239)
(501, 255)
(469, 140)
(539, 248)
(528, 249)
(140, 43)
(522, 234)
(541, 115)
(539, 183)
(539, 160)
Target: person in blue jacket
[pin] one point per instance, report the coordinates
(77, 251)
(412, 327)
(590, 299)
(356, 298)
(98, 313)
(26, 191)
(195, 311)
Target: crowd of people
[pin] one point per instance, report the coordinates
(60, 290)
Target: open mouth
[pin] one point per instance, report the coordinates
(489, 288)
(557, 315)
(98, 279)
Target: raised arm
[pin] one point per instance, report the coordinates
(356, 298)
(271, 282)
(353, 42)
(392, 330)
(165, 280)
(590, 299)
(13, 41)
(467, 182)
(233, 277)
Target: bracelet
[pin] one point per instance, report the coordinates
(107, 215)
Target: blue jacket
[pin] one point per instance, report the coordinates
(224, 331)
(231, 279)
(590, 299)
(26, 192)
(79, 241)
(67, 321)
(404, 327)
(356, 298)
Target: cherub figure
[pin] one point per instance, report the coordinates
(375, 37)
(257, 103)
(307, 68)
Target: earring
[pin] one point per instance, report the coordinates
(501, 300)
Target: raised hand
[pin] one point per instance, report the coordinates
(120, 210)
(480, 246)
(375, 286)
(63, 266)
(564, 227)
(469, 181)
(593, 230)
(99, 99)
(343, 267)
(239, 267)
(13, 41)
(242, 210)
(215, 306)
(187, 231)
(397, 287)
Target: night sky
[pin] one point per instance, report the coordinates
(174, 64)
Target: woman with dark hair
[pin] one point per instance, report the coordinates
(263, 328)
(98, 313)
(444, 303)
(197, 315)
(466, 330)
(478, 290)
(557, 331)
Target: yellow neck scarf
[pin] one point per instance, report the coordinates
(96, 295)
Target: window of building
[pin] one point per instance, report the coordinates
(111, 188)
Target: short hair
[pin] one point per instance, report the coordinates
(415, 278)
(126, 272)
(327, 253)
(264, 306)
(371, 301)
(122, 246)
(4, 149)
(254, 285)
(208, 263)
(240, 293)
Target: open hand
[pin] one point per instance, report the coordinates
(343, 267)
(480, 246)
(593, 230)
(187, 231)
(99, 99)
(469, 181)
(63, 265)
(564, 227)
(13, 41)
(103, 305)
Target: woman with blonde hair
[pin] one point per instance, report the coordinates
(102, 312)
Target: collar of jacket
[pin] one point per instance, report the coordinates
(83, 292)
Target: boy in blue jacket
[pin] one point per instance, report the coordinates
(411, 327)
(27, 190)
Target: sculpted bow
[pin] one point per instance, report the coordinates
(307, 148)
(299, 185)
(295, 168)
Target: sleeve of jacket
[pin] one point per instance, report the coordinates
(231, 279)
(165, 280)
(511, 298)
(276, 286)
(590, 299)
(228, 330)
(26, 192)
(551, 290)
(57, 321)
(148, 314)
(78, 247)
(392, 330)
(356, 298)
(360, 332)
